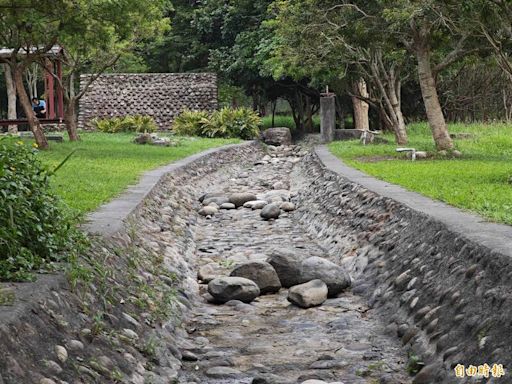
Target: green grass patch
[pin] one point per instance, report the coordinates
(105, 164)
(479, 181)
(285, 121)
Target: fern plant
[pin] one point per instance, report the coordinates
(137, 123)
(190, 123)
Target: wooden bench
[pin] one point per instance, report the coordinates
(6, 123)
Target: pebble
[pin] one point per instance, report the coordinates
(75, 345)
(130, 334)
(208, 211)
(62, 353)
(47, 381)
(287, 206)
(53, 367)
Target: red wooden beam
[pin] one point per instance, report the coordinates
(5, 123)
(50, 91)
(60, 91)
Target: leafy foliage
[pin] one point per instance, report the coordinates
(240, 123)
(190, 123)
(137, 123)
(35, 227)
(243, 123)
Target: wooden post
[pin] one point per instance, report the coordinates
(60, 92)
(49, 90)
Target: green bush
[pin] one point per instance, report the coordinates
(190, 123)
(137, 123)
(240, 123)
(35, 227)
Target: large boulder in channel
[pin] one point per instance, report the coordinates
(277, 136)
(287, 264)
(336, 278)
(262, 273)
(239, 199)
(224, 289)
(270, 211)
(307, 295)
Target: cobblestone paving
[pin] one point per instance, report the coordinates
(270, 340)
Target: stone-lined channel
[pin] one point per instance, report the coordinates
(271, 340)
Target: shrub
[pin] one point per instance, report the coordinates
(137, 123)
(190, 123)
(35, 227)
(240, 123)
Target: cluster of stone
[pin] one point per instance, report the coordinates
(441, 293)
(162, 96)
(262, 282)
(270, 204)
(122, 324)
(311, 280)
(154, 139)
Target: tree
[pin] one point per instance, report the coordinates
(11, 98)
(30, 29)
(492, 19)
(96, 36)
(93, 34)
(428, 29)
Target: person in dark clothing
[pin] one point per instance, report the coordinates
(39, 108)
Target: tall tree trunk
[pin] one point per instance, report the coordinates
(431, 100)
(11, 99)
(34, 123)
(400, 129)
(361, 107)
(71, 119)
(388, 84)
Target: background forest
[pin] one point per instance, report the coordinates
(389, 62)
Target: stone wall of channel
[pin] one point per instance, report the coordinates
(160, 95)
(447, 297)
(115, 314)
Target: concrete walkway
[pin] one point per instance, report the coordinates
(497, 237)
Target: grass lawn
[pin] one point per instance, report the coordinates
(105, 164)
(480, 181)
(285, 121)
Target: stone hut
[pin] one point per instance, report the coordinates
(160, 95)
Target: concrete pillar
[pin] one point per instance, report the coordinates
(327, 116)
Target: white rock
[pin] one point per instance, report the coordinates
(208, 211)
(228, 206)
(75, 345)
(310, 294)
(287, 206)
(130, 334)
(47, 381)
(259, 204)
(62, 353)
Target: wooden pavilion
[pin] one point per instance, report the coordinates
(53, 91)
